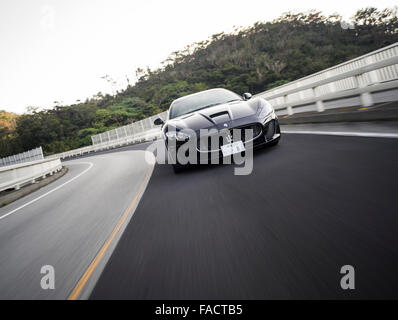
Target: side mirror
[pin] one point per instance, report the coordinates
(158, 122)
(247, 96)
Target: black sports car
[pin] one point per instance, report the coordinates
(208, 119)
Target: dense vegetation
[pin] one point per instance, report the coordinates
(7, 120)
(248, 60)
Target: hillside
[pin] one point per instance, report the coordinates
(7, 120)
(254, 59)
(7, 129)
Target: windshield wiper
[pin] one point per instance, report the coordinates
(234, 100)
(210, 105)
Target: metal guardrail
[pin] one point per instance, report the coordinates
(368, 79)
(348, 84)
(31, 155)
(17, 175)
(140, 131)
(129, 131)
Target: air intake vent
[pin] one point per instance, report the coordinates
(270, 130)
(219, 114)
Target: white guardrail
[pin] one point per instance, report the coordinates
(140, 131)
(363, 81)
(17, 175)
(368, 79)
(31, 155)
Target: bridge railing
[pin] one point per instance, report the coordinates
(129, 131)
(140, 131)
(17, 175)
(363, 81)
(31, 155)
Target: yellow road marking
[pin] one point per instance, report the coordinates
(87, 274)
(364, 108)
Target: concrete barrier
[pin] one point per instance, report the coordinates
(15, 176)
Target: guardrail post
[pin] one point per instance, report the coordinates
(367, 99)
(289, 108)
(320, 106)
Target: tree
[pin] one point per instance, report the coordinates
(256, 58)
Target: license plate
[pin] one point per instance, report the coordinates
(232, 148)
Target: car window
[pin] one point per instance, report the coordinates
(201, 100)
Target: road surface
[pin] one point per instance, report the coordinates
(68, 225)
(312, 204)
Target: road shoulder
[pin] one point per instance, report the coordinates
(7, 197)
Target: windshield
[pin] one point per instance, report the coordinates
(201, 100)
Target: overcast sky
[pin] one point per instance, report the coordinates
(58, 50)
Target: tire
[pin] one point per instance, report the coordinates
(176, 166)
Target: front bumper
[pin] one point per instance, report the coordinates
(270, 133)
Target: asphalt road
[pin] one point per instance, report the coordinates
(312, 204)
(68, 225)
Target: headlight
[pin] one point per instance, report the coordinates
(178, 135)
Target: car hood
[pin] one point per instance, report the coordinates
(221, 116)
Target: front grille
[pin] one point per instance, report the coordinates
(256, 131)
(226, 136)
